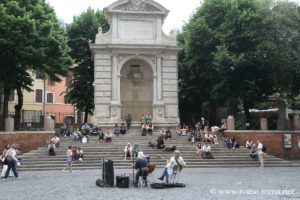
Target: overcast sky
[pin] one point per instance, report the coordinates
(180, 10)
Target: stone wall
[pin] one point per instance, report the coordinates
(273, 140)
(26, 141)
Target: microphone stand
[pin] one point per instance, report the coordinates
(133, 170)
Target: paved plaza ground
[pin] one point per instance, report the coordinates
(218, 183)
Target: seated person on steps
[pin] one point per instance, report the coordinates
(144, 129)
(150, 128)
(206, 152)
(175, 164)
(51, 149)
(142, 166)
(168, 134)
(199, 150)
(123, 129)
(128, 151)
(136, 149)
(253, 152)
(160, 144)
(79, 154)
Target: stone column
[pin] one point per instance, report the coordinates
(154, 88)
(263, 123)
(9, 124)
(48, 123)
(114, 77)
(230, 123)
(159, 77)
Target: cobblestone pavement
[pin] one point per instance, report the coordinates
(219, 183)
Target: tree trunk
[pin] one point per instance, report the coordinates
(86, 114)
(247, 114)
(18, 109)
(5, 106)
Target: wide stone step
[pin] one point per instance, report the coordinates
(39, 160)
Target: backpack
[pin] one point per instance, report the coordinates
(264, 149)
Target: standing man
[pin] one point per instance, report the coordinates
(142, 166)
(11, 162)
(260, 153)
(128, 120)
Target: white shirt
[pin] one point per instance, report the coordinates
(206, 148)
(172, 163)
(259, 148)
(126, 148)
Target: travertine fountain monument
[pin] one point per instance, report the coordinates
(136, 67)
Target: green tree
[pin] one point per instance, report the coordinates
(31, 39)
(234, 49)
(81, 33)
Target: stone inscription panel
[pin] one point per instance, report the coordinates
(136, 29)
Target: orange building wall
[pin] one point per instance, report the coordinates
(58, 107)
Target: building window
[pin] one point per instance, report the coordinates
(50, 97)
(39, 96)
(39, 75)
(66, 100)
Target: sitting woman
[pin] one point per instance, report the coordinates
(74, 153)
(168, 134)
(208, 137)
(215, 139)
(117, 130)
(128, 151)
(199, 150)
(108, 136)
(101, 135)
(144, 129)
(160, 144)
(123, 129)
(162, 132)
(253, 152)
(51, 149)
(248, 144)
(79, 154)
(150, 128)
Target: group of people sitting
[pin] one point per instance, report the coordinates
(132, 152)
(203, 151)
(77, 154)
(147, 127)
(52, 143)
(120, 129)
(231, 143)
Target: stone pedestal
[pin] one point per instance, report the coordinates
(9, 124)
(297, 122)
(48, 123)
(263, 124)
(230, 123)
(283, 115)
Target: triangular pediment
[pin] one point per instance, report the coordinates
(137, 5)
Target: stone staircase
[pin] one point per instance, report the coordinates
(39, 160)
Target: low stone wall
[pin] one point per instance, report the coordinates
(26, 141)
(273, 140)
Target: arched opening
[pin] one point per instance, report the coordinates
(136, 89)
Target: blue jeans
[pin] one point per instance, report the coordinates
(11, 165)
(165, 174)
